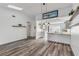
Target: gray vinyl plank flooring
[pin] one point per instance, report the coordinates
(35, 48)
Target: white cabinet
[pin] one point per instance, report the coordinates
(59, 38)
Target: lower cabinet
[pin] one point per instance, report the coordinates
(61, 38)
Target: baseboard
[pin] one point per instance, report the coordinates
(13, 41)
(30, 37)
(58, 42)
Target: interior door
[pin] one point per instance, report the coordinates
(28, 29)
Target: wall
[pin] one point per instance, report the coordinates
(32, 30)
(75, 34)
(61, 12)
(75, 40)
(40, 33)
(33, 27)
(9, 33)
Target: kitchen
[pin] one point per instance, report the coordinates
(60, 32)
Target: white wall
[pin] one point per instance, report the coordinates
(75, 40)
(9, 33)
(33, 27)
(61, 12)
(38, 30)
(75, 34)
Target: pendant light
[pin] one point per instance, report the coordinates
(43, 9)
(41, 24)
(44, 5)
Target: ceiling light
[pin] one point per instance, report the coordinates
(14, 7)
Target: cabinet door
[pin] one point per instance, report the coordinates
(59, 38)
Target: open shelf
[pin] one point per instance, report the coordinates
(18, 26)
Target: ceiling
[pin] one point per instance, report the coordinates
(35, 8)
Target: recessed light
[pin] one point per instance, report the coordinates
(15, 7)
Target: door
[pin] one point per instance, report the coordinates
(28, 29)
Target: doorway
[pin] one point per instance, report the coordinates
(28, 30)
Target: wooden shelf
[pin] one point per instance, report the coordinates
(18, 26)
(74, 15)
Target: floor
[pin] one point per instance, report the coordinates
(35, 48)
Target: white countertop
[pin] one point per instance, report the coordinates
(63, 33)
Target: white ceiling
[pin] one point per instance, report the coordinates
(35, 8)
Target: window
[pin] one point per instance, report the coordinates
(51, 14)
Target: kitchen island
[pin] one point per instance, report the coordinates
(64, 37)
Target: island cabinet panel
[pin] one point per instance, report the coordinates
(61, 38)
